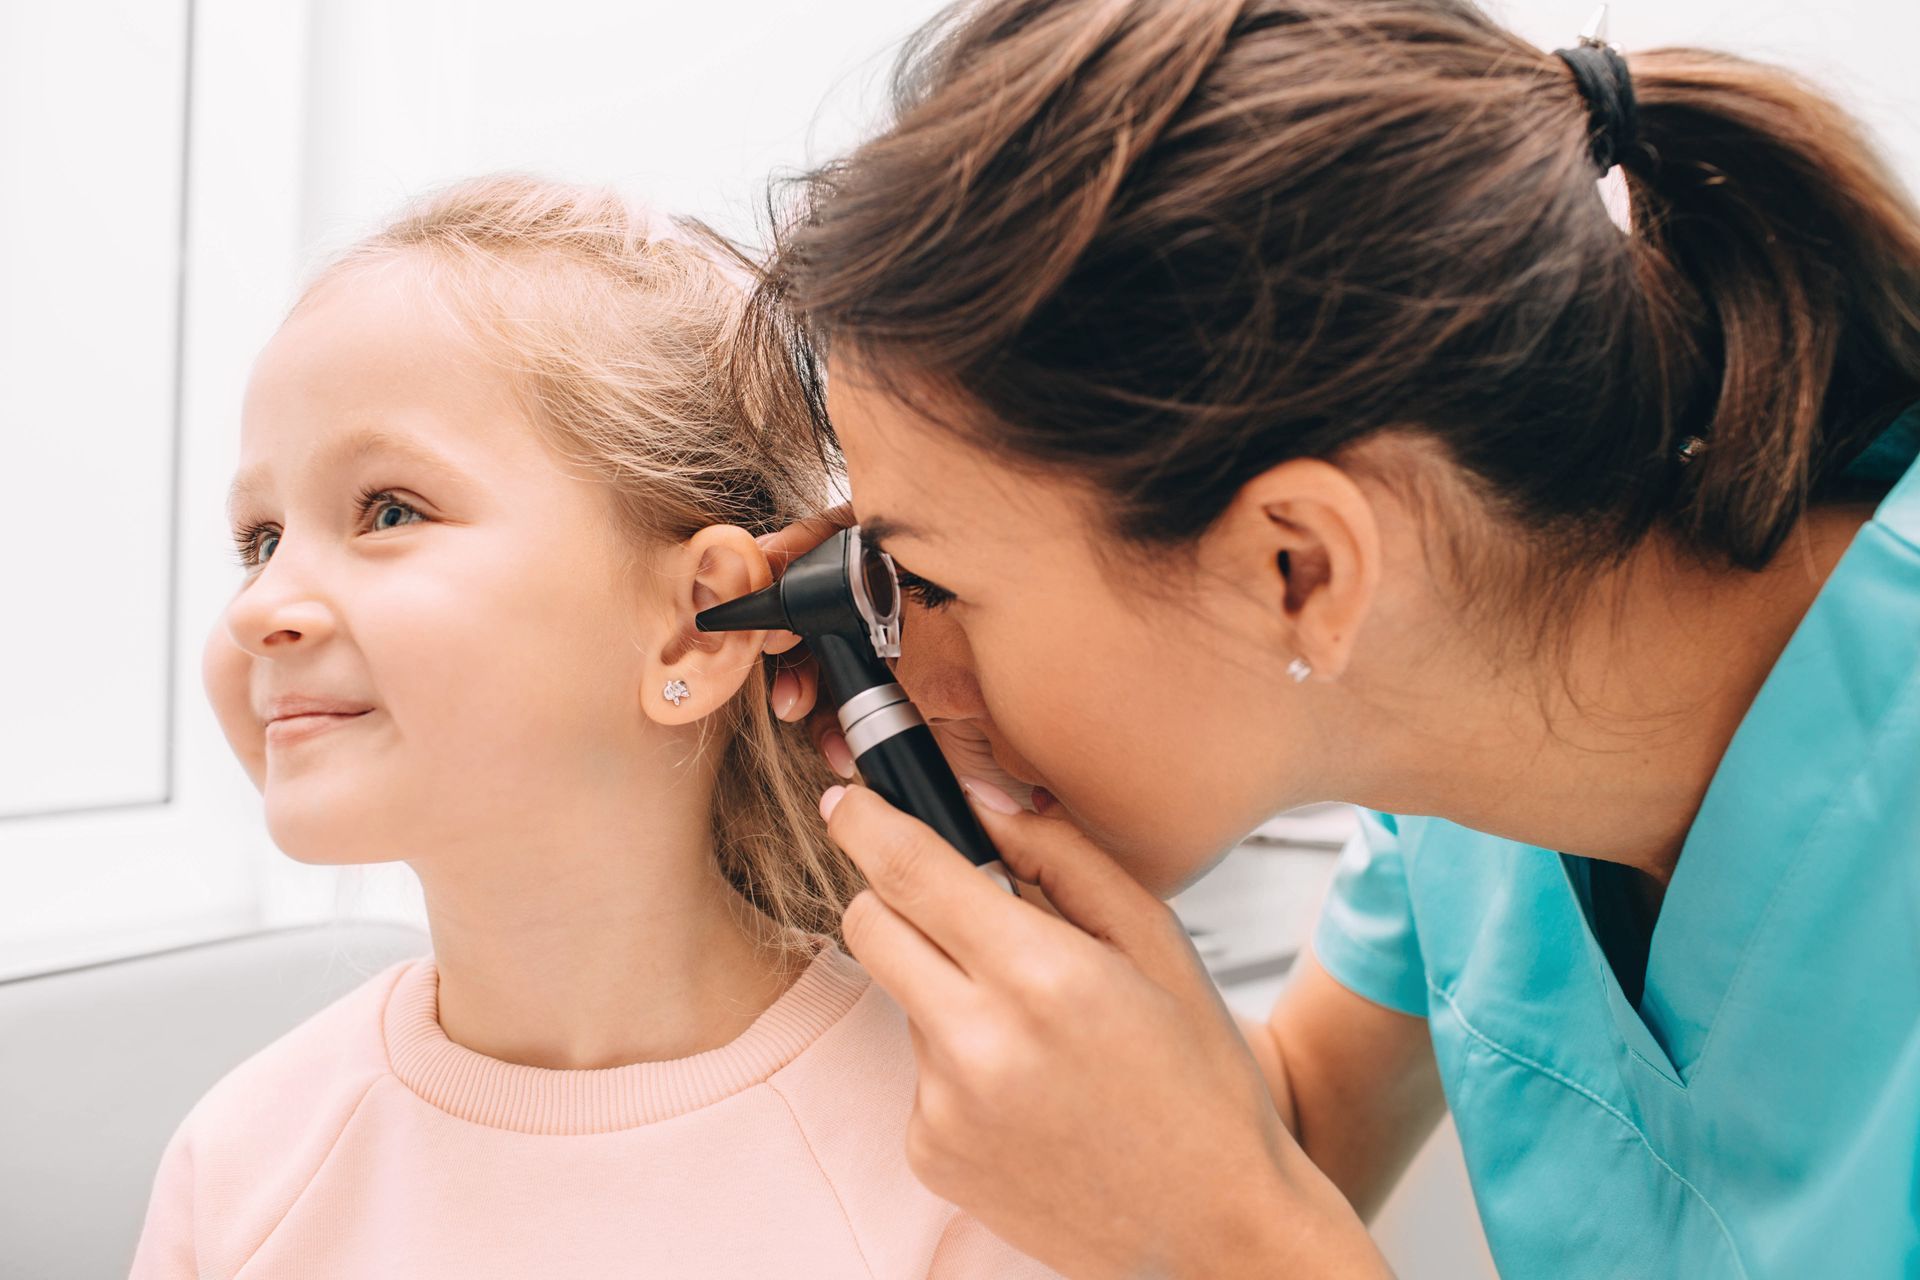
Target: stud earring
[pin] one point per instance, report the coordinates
(676, 692)
(1299, 670)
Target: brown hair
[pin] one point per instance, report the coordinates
(1167, 244)
(623, 333)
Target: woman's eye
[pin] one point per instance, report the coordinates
(928, 595)
(253, 543)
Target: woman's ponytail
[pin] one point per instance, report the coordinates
(1783, 264)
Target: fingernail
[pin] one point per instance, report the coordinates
(829, 800)
(786, 692)
(989, 796)
(838, 754)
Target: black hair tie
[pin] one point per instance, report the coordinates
(1601, 74)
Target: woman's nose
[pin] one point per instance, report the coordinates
(936, 669)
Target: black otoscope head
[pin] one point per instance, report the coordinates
(843, 598)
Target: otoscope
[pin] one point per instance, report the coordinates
(843, 599)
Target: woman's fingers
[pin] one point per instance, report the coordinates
(901, 959)
(795, 686)
(1089, 890)
(806, 677)
(794, 695)
(928, 883)
(1087, 886)
(823, 726)
(785, 546)
(781, 641)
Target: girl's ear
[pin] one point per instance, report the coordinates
(696, 672)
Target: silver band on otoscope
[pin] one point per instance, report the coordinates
(876, 714)
(874, 729)
(872, 716)
(867, 701)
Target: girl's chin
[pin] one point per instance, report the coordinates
(319, 838)
(323, 851)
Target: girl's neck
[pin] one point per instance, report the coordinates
(585, 959)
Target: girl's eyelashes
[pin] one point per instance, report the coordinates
(928, 595)
(250, 540)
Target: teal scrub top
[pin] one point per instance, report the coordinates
(1757, 1111)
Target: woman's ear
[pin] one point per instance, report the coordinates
(1312, 534)
(696, 672)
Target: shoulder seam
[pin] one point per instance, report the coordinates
(825, 1177)
(946, 1235)
(314, 1177)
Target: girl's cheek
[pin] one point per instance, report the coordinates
(224, 672)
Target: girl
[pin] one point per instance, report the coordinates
(491, 466)
(1264, 391)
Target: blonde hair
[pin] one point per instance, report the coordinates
(623, 332)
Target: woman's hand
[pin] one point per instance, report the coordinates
(1083, 1090)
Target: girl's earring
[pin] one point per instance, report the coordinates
(676, 692)
(1299, 670)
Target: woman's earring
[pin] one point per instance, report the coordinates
(676, 692)
(1299, 670)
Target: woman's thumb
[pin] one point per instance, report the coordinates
(1086, 887)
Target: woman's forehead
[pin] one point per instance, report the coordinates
(924, 482)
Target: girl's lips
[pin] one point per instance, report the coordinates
(298, 728)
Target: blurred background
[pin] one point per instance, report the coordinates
(174, 169)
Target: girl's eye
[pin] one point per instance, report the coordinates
(252, 543)
(928, 595)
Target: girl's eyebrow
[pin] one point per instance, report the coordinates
(366, 443)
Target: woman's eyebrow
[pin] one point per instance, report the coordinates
(879, 529)
(368, 443)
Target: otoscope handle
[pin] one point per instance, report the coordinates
(916, 787)
(904, 764)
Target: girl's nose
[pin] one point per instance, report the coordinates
(276, 611)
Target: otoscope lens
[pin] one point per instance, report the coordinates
(879, 581)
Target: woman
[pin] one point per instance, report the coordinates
(1268, 410)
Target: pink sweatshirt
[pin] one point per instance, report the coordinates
(365, 1143)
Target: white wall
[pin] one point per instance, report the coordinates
(120, 824)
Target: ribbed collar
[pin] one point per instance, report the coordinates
(506, 1095)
